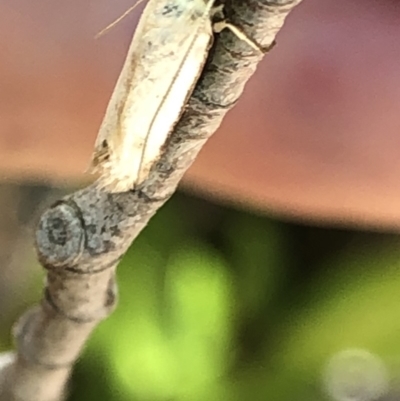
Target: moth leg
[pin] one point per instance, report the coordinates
(220, 26)
(217, 10)
(150, 199)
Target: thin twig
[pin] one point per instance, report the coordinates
(81, 238)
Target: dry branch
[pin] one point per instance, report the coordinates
(81, 238)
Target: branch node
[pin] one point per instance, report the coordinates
(60, 236)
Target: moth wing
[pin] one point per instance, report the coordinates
(188, 62)
(163, 63)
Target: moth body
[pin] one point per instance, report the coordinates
(163, 64)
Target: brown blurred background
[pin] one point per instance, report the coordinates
(316, 134)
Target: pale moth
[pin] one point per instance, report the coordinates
(163, 64)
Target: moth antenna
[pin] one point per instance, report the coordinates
(120, 18)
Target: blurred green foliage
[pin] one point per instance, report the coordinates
(219, 304)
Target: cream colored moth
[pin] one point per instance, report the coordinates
(163, 64)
